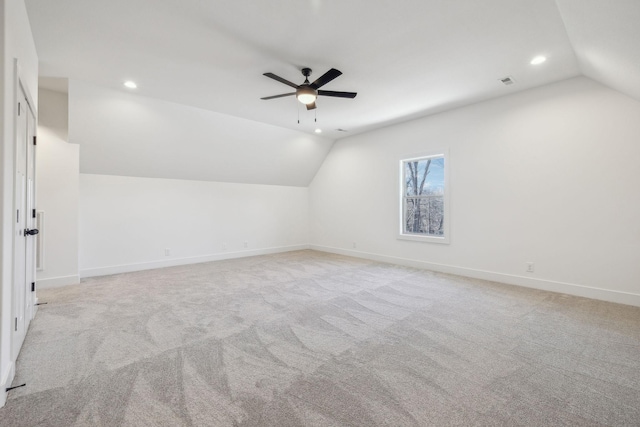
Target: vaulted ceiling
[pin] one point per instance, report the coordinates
(404, 58)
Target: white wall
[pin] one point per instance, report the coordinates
(126, 223)
(156, 174)
(58, 169)
(17, 43)
(549, 175)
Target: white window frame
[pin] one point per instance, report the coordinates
(402, 235)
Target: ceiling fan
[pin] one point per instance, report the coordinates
(308, 92)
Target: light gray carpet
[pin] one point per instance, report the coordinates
(313, 339)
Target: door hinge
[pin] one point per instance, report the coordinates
(35, 140)
(33, 286)
(19, 106)
(33, 213)
(18, 215)
(16, 327)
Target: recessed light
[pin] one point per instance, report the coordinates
(130, 84)
(318, 130)
(538, 60)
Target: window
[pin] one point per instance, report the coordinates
(424, 199)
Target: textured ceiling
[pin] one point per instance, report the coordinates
(405, 59)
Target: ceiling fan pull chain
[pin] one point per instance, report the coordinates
(298, 105)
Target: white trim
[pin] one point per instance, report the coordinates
(126, 268)
(426, 238)
(35, 307)
(56, 282)
(510, 279)
(7, 379)
(32, 105)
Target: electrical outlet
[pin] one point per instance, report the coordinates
(246, 244)
(224, 246)
(354, 245)
(167, 252)
(531, 267)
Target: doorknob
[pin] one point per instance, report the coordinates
(32, 232)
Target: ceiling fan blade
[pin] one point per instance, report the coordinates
(311, 106)
(326, 78)
(281, 80)
(279, 96)
(337, 94)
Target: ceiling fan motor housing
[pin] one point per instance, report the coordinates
(305, 89)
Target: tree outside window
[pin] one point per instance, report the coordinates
(424, 197)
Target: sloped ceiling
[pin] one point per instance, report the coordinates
(606, 38)
(405, 59)
(130, 135)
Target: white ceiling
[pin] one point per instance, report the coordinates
(405, 58)
(606, 38)
(129, 135)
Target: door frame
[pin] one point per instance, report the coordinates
(30, 300)
(16, 79)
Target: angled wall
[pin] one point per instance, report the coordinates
(547, 176)
(125, 134)
(604, 36)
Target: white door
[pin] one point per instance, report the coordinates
(24, 192)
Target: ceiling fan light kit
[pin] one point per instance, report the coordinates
(307, 93)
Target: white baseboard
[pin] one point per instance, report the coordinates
(7, 379)
(127, 268)
(510, 279)
(56, 282)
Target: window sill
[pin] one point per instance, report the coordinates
(424, 239)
